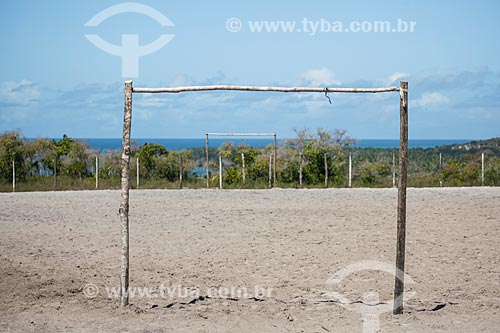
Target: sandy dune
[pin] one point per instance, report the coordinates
(288, 243)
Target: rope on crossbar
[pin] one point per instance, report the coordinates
(326, 95)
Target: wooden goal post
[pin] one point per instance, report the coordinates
(402, 180)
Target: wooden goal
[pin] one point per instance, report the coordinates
(403, 161)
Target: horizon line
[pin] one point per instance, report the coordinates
(253, 138)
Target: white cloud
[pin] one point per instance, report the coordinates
(396, 77)
(319, 77)
(181, 81)
(151, 101)
(18, 93)
(430, 99)
(468, 98)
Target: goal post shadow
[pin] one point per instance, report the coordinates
(402, 180)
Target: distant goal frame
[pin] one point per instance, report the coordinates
(129, 90)
(275, 146)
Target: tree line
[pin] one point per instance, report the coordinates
(311, 159)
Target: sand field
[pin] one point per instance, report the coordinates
(248, 260)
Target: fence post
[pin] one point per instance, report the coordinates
(124, 202)
(220, 171)
(275, 158)
(399, 283)
(206, 164)
(350, 170)
(482, 169)
(13, 174)
(180, 171)
(55, 173)
(270, 170)
(440, 170)
(393, 170)
(300, 169)
(326, 171)
(96, 172)
(137, 175)
(243, 166)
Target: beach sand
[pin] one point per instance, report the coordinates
(55, 247)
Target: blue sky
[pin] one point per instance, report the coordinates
(54, 81)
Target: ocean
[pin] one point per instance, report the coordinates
(180, 144)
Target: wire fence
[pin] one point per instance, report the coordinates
(252, 169)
